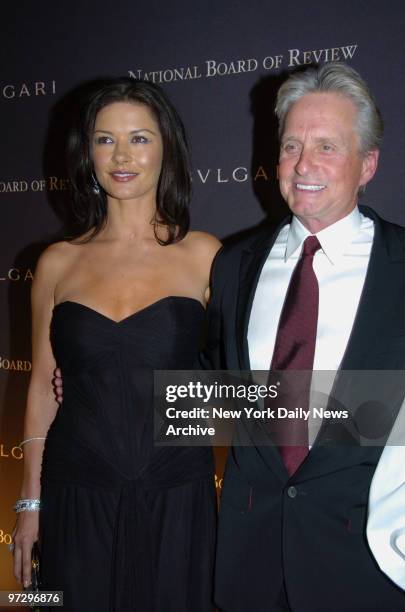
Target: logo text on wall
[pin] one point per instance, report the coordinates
(15, 91)
(50, 183)
(15, 365)
(214, 68)
(13, 452)
(239, 174)
(5, 538)
(17, 274)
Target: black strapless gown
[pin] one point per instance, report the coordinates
(125, 526)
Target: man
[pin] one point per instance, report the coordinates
(325, 291)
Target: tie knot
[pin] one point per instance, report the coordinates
(311, 246)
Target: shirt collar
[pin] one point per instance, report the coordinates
(333, 238)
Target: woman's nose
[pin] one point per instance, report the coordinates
(121, 152)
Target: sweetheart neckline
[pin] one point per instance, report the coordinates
(134, 314)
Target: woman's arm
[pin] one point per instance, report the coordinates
(40, 410)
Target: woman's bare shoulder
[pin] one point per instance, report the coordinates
(202, 244)
(53, 263)
(56, 255)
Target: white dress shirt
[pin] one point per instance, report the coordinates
(340, 267)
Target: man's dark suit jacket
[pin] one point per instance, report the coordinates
(308, 530)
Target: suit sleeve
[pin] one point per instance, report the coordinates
(211, 353)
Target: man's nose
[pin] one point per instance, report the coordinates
(304, 162)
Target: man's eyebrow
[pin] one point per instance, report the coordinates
(316, 139)
(286, 138)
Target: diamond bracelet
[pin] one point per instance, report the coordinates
(27, 505)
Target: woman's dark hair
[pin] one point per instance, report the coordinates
(174, 187)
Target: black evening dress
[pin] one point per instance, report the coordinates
(124, 526)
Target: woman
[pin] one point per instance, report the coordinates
(122, 525)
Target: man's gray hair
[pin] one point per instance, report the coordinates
(335, 77)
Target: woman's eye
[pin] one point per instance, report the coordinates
(103, 140)
(140, 139)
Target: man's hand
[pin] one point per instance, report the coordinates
(58, 385)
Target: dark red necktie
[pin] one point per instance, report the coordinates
(294, 349)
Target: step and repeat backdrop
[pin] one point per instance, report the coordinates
(221, 64)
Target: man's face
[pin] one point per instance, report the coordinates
(321, 167)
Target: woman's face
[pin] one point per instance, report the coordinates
(127, 151)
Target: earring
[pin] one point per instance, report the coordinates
(96, 186)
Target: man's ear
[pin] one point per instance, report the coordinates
(370, 163)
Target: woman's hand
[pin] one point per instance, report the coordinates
(26, 532)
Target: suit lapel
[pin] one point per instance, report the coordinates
(252, 261)
(374, 306)
(374, 314)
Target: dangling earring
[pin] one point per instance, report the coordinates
(96, 186)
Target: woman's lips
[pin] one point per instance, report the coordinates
(123, 177)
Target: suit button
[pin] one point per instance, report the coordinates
(292, 492)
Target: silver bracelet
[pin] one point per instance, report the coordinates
(27, 505)
(29, 440)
